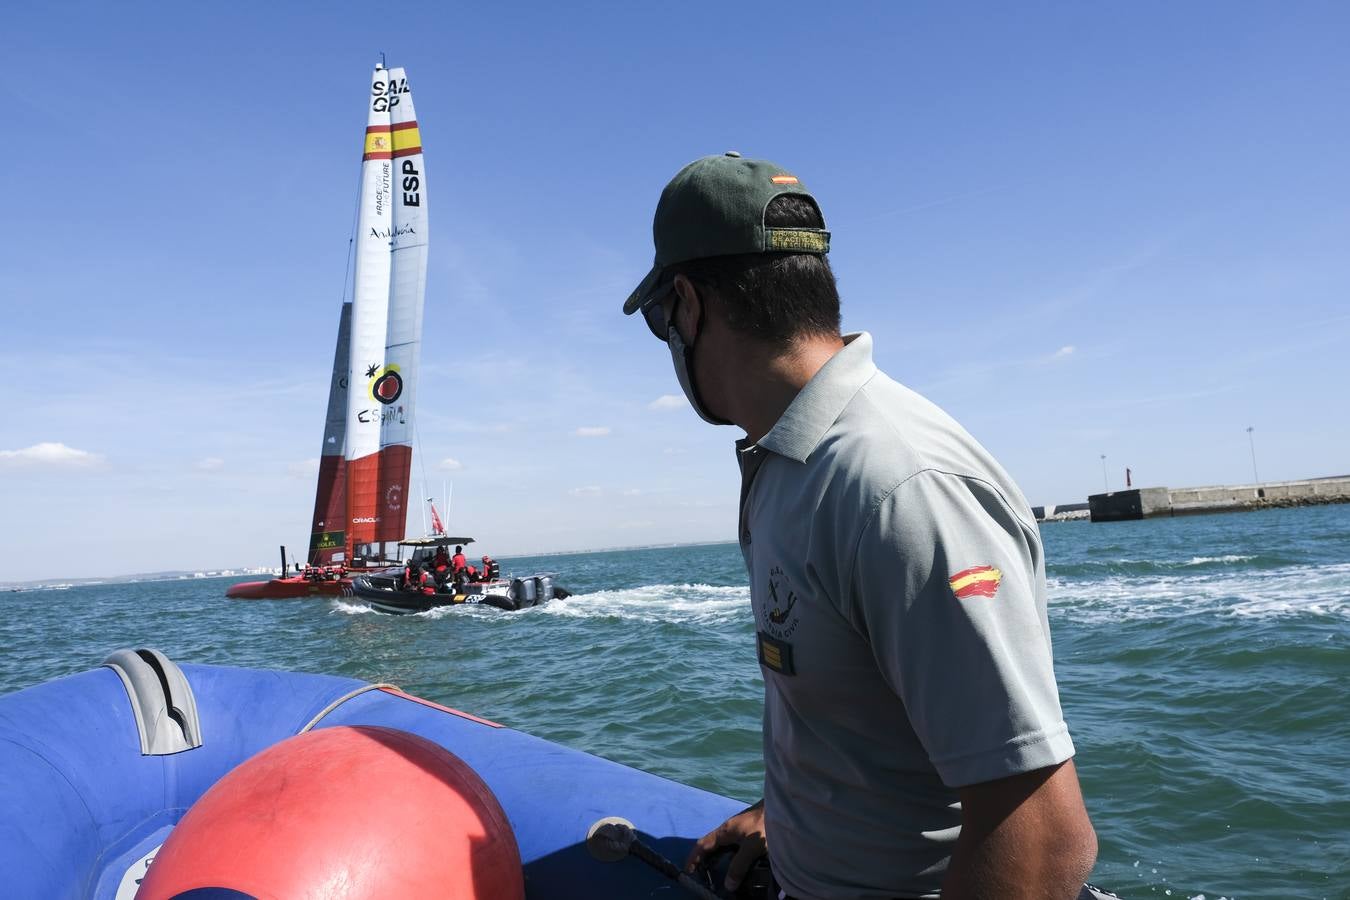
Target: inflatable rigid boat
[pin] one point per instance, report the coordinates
(141, 780)
(384, 594)
(213, 782)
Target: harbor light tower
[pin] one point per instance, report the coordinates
(1252, 441)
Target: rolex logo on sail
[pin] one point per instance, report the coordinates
(390, 233)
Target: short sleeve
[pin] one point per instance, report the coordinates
(948, 587)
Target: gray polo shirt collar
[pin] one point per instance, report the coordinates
(811, 413)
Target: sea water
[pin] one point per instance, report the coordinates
(1203, 667)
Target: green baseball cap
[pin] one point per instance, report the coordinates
(715, 207)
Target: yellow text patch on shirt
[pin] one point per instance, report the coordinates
(775, 654)
(977, 581)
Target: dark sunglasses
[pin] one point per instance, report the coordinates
(655, 314)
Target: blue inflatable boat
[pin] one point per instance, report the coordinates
(97, 770)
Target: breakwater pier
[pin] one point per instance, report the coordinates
(1154, 502)
(1060, 512)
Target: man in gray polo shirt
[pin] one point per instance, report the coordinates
(913, 740)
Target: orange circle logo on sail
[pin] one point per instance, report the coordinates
(386, 385)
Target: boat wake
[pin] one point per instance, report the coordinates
(696, 604)
(699, 604)
(1125, 566)
(1284, 593)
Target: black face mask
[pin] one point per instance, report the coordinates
(682, 356)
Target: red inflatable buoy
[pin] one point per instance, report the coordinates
(350, 812)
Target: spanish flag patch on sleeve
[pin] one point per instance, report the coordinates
(977, 581)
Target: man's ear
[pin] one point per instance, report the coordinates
(689, 313)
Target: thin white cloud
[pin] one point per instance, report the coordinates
(592, 431)
(668, 401)
(987, 372)
(450, 464)
(210, 464)
(306, 468)
(590, 490)
(1056, 356)
(49, 454)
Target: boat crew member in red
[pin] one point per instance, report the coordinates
(426, 581)
(458, 562)
(914, 745)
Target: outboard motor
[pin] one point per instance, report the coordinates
(544, 588)
(524, 592)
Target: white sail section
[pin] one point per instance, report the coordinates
(370, 310)
(409, 271)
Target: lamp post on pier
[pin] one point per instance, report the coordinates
(1106, 484)
(1252, 441)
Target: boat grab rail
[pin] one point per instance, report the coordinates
(161, 698)
(354, 692)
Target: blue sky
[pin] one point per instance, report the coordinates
(1083, 229)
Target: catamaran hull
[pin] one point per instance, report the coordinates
(294, 587)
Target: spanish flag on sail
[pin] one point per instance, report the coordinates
(977, 581)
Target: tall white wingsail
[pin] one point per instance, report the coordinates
(369, 385)
(407, 290)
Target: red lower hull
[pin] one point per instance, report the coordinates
(291, 588)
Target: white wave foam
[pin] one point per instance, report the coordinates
(1275, 593)
(461, 609)
(1229, 558)
(437, 612)
(350, 609)
(701, 604)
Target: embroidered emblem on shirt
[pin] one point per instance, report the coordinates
(977, 581)
(775, 654)
(779, 614)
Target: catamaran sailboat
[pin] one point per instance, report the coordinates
(361, 505)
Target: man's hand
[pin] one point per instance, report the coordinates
(1027, 836)
(745, 832)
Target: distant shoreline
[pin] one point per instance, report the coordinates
(58, 583)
